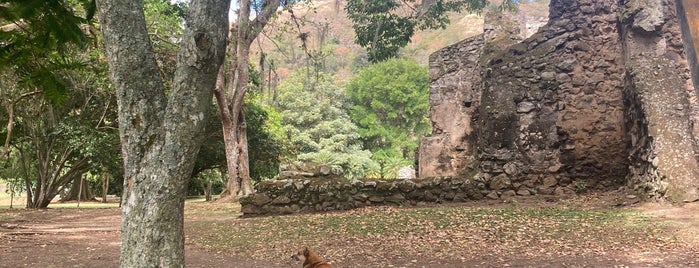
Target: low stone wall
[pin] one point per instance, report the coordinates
(336, 193)
(328, 193)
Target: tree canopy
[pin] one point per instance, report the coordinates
(57, 96)
(318, 127)
(35, 35)
(390, 105)
(385, 26)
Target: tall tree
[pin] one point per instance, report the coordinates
(230, 98)
(390, 105)
(34, 33)
(159, 130)
(314, 115)
(56, 95)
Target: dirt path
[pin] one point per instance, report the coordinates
(90, 238)
(77, 238)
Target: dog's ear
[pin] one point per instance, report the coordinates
(306, 251)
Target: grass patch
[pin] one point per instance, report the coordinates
(414, 231)
(84, 205)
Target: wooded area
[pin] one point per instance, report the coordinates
(102, 99)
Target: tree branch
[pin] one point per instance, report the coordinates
(14, 26)
(10, 122)
(263, 17)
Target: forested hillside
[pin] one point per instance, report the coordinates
(331, 39)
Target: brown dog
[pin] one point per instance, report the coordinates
(310, 259)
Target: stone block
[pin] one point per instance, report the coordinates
(500, 182)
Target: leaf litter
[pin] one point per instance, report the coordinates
(453, 236)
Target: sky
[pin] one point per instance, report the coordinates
(231, 12)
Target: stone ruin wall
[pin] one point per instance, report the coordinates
(662, 103)
(454, 95)
(600, 96)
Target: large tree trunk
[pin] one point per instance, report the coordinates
(208, 188)
(159, 136)
(106, 177)
(229, 139)
(243, 159)
(79, 191)
(54, 174)
(231, 104)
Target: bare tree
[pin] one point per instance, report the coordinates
(160, 133)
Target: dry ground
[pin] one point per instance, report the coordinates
(579, 232)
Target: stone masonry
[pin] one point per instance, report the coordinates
(314, 194)
(601, 96)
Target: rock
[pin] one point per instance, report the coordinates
(554, 168)
(548, 76)
(482, 177)
(655, 162)
(525, 107)
(406, 172)
(631, 200)
(559, 191)
(549, 181)
(491, 167)
(252, 210)
(430, 196)
(286, 173)
(543, 190)
(281, 200)
(493, 195)
(509, 193)
(361, 197)
(511, 169)
(289, 209)
(259, 199)
(325, 170)
(383, 186)
(566, 65)
(647, 15)
(299, 184)
(500, 182)
(405, 185)
(396, 198)
(376, 199)
(523, 192)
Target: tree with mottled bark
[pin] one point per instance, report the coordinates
(231, 87)
(160, 129)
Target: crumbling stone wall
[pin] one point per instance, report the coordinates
(454, 95)
(552, 104)
(594, 96)
(302, 194)
(661, 102)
